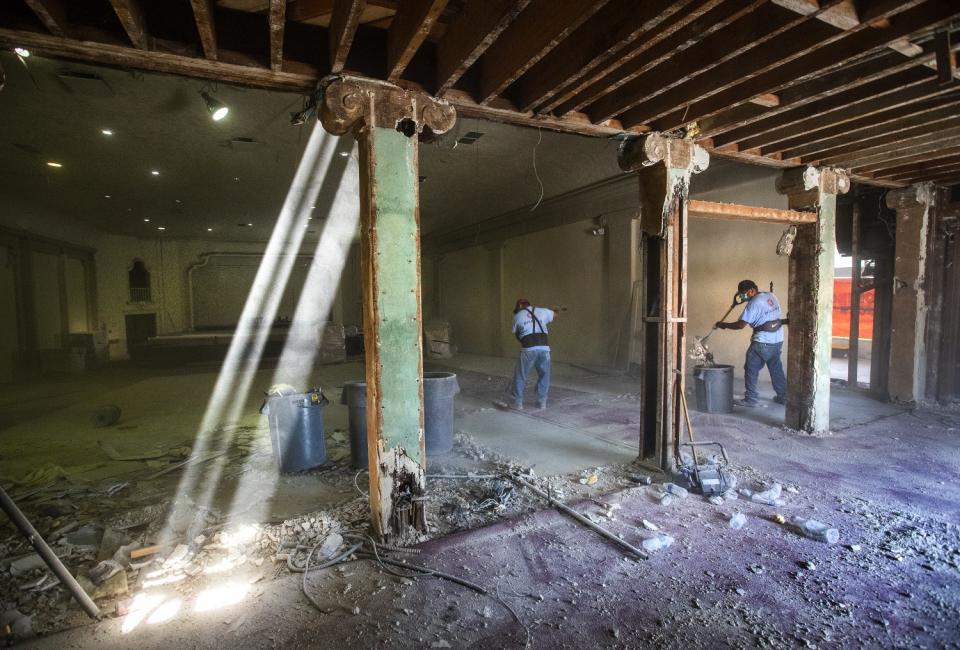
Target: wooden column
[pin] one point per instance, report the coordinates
(853, 348)
(386, 121)
(907, 370)
(810, 304)
(663, 167)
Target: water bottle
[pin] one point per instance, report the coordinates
(770, 496)
(657, 543)
(675, 490)
(738, 521)
(815, 530)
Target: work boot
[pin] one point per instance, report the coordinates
(780, 399)
(541, 405)
(749, 403)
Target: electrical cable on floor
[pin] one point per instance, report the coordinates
(355, 477)
(356, 552)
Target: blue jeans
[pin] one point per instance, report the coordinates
(758, 356)
(539, 359)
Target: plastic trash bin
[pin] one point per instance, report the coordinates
(296, 430)
(714, 388)
(439, 390)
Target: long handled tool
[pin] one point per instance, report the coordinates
(703, 339)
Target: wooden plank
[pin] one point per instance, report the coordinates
(931, 167)
(848, 115)
(919, 163)
(469, 36)
(702, 61)
(52, 13)
(946, 58)
(903, 156)
(819, 60)
(882, 145)
(604, 36)
(870, 69)
(839, 100)
(203, 14)
(126, 57)
(301, 10)
(876, 126)
(738, 212)
(671, 39)
(278, 21)
(536, 31)
(343, 27)
(130, 13)
(411, 26)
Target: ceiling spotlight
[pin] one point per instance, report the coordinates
(54, 164)
(160, 228)
(209, 229)
(106, 131)
(22, 52)
(155, 172)
(217, 109)
(249, 225)
(344, 153)
(146, 221)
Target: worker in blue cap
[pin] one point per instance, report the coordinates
(763, 315)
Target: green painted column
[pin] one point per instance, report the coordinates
(810, 301)
(387, 120)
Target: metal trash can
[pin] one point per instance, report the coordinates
(296, 430)
(439, 389)
(714, 388)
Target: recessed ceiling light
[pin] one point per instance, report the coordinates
(209, 229)
(249, 225)
(22, 51)
(155, 172)
(146, 220)
(106, 131)
(106, 196)
(51, 163)
(160, 228)
(344, 153)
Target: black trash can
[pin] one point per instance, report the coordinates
(439, 389)
(714, 388)
(354, 396)
(296, 430)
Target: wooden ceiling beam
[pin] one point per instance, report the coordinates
(861, 72)
(130, 13)
(343, 28)
(670, 40)
(923, 125)
(840, 101)
(922, 112)
(605, 36)
(536, 31)
(947, 177)
(203, 14)
(826, 58)
(841, 118)
(278, 21)
(934, 166)
(469, 36)
(700, 64)
(851, 155)
(910, 155)
(737, 212)
(52, 13)
(410, 27)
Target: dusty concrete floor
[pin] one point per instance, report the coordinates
(892, 582)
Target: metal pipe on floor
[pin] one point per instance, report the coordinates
(603, 532)
(48, 556)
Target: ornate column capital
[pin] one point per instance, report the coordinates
(637, 153)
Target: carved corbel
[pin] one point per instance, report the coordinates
(350, 104)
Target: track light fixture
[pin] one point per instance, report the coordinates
(217, 109)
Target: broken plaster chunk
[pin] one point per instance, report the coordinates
(649, 525)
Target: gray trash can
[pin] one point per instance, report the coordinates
(439, 390)
(296, 430)
(714, 388)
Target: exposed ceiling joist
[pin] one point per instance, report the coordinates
(536, 31)
(898, 131)
(278, 22)
(469, 36)
(411, 26)
(203, 14)
(851, 155)
(909, 155)
(52, 13)
(343, 27)
(819, 60)
(130, 13)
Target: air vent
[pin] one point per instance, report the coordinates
(243, 143)
(86, 83)
(470, 137)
